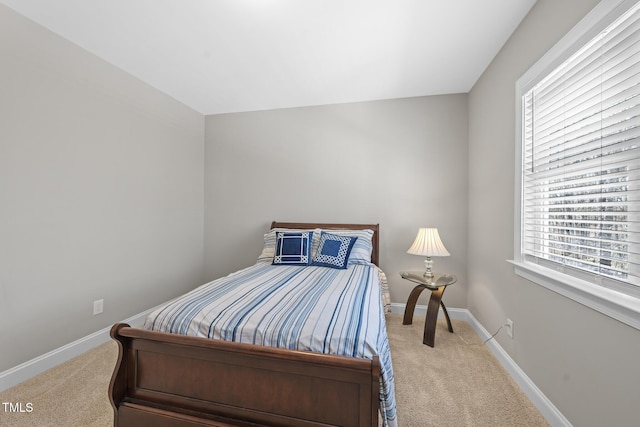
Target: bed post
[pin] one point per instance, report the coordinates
(118, 383)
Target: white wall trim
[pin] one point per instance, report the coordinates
(609, 297)
(617, 305)
(548, 410)
(37, 365)
(421, 310)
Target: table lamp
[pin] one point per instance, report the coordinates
(428, 244)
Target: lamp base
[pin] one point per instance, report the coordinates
(428, 263)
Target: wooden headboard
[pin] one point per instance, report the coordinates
(375, 257)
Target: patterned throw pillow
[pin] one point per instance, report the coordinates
(293, 248)
(334, 250)
(362, 249)
(269, 248)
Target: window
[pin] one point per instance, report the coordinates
(579, 177)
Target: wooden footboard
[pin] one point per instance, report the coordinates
(173, 380)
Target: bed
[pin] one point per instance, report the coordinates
(269, 345)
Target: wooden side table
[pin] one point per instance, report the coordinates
(436, 285)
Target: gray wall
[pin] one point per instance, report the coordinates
(400, 163)
(585, 362)
(101, 193)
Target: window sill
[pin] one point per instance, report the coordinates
(616, 305)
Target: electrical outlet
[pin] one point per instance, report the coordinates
(510, 328)
(98, 306)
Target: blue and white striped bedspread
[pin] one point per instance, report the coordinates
(311, 308)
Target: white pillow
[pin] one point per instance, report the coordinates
(362, 249)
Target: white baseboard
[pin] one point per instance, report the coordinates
(421, 310)
(548, 410)
(35, 366)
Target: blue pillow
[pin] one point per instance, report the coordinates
(334, 250)
(293, 248)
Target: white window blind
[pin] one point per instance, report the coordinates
(581, 160)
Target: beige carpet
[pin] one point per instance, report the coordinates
(73, 394)
(457, 383)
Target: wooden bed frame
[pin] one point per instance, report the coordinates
(168, 380)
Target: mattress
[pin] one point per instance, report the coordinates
(304, 308)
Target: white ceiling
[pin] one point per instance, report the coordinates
(221, 56)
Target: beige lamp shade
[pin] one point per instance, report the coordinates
(428, 244)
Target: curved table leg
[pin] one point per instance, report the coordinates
(446, 315)
(411, 304)
(435, 302)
